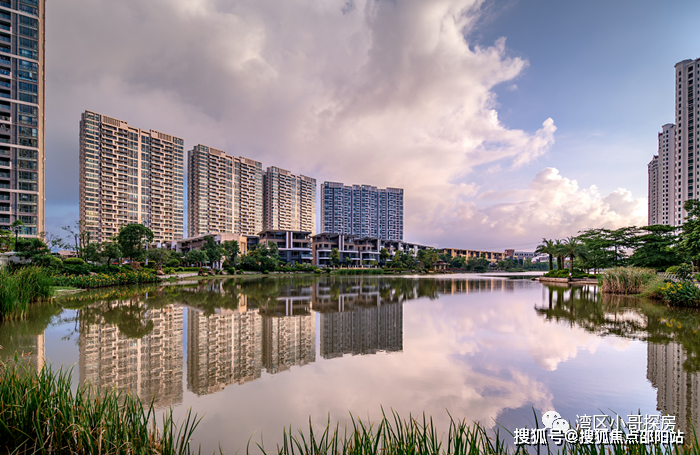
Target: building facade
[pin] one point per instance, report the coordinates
(247, 196)
(294, 247)
(677, 167)
(22, 78)
(129, 175)
(653, 203)
(362, 210)
(209, 191)
(289, 201)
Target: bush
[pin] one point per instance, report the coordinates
(628, 280)
(682, 272)
(48, 261)
(73, 261)
(77, 269)
(683, 293)
(563, 273)
(318, 271)
(102, 280)
(172, 263)
(231, 271)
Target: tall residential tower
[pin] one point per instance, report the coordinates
(672, 181)
(225, 193)
(129, 175)
(362, 210)
(289, 201)
(22, 114)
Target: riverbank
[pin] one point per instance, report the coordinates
(42, 415)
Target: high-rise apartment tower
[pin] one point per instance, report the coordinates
(289, 201)
(225, 193)
(676, 181)
(362, 210)
(22, 114)
(209, 191)
(129, 175)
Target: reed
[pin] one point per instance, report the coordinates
(628, 280)
(19, 289)
(39, 414)
(394, 436)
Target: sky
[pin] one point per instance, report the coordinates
(504, 121)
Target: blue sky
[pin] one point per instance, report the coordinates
(496, 143)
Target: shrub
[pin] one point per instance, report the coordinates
(628, 280)
(318, 271)
(73, 261)
(231, 271)
(563, 273)
(683, 293)
(48, 261)
(172, 263)
(102, 279)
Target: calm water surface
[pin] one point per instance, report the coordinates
(252, 356)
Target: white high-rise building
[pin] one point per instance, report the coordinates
(129, 175)
(289, 201)
(676, 169)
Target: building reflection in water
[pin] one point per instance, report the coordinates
(150, 364)
(678, 391)
(671, 370)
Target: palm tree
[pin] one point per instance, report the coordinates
(573, 248)
(560, 253)
(547, 248)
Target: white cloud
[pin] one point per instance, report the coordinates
(386, 93)
(552, 206)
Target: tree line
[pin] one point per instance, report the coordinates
(656, 246)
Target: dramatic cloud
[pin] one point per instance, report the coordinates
(378, 92)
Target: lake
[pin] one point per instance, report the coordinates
(253, 355)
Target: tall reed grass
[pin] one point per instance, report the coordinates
(628, 280)
(40, 415)
(19, 289)
(393, 436)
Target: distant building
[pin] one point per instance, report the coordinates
(673, 175)
(225, 193)
(491, 256)
(289, 201)
(198, 242)
(362, 211)
(209, 191)
(355, 251)
(129, 175)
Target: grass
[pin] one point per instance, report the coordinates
(629, 280)
(40, 415)
(19, 289)
(393, 436)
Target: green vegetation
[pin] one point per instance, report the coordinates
(106, 279)
(40, 414)
(21, 287)
(358, 272)
(628, 280)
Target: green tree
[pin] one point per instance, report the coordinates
(111, 252)
(80, 237)
(231, 251)
(547, 247)
(92, 252)
(573, 248)
(133, 240)
(428, 257)
(689, 244)
(214, 251)
(158, 255)
(335, 257)
(32, 248)
(383, 255)
(6, 240)
(196, 257)
(656, 248)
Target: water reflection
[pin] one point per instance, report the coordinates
(238, 332)
(673, 341)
